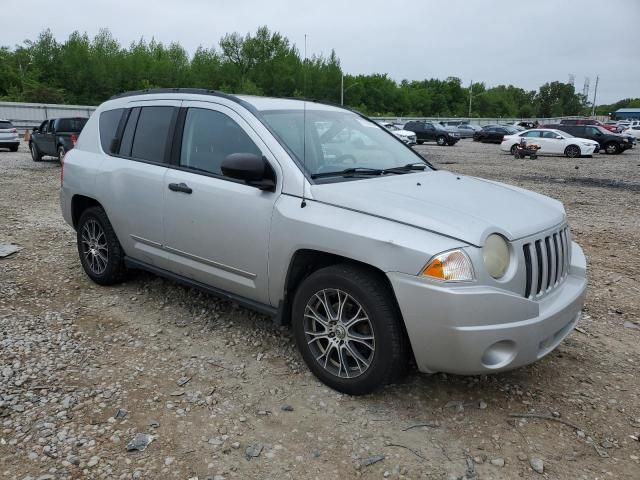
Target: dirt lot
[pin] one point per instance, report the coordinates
(84, 368)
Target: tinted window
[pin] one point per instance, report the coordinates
(43, 126)
(535, 134)
(593, 131)
(5, 124)
(152, 133)
(108, 127)
(127, 137)
(209, 137)
(548, 134)
(74, 125)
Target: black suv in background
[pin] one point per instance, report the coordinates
(55, 137)
(611, 143)
(430, 131)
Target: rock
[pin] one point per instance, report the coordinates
(7, 249)
(139, 442)
(498, 462)
(169, 460)
(183, 381)
(121, 413)
(286, 408)
(235, 445)
(482, 405)
(253, 451)
(93, 461)
(537, 464)
(365, 462)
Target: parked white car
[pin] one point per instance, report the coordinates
(551, 142)
(634, 131)
(406, 136)
(9, 136)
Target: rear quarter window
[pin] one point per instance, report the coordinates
(109, 121)
(152, 133)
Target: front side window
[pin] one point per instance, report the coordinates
(152, 133)
(593, 131)
(43, 126)
(209, 137)
(534, 134)
(338, 140)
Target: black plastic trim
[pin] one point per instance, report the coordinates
(262, 308)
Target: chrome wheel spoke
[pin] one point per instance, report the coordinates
(339, 333)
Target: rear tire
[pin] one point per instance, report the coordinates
(61, 152)
(358, 357)
(100, 252)
(14, 149)
(36, 156)
(612, 148)
(420, 142)
(572, 151)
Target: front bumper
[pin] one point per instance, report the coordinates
(479, 329)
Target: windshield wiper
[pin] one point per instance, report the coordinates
(372, 171)
(349, 171)
(408, 167)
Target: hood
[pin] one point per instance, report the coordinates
(404, 133)
(464, 208)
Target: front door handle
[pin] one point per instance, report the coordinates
(180, 187)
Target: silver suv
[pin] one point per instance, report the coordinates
(323, 220)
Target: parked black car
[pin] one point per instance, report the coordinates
(55, 137)
(429, 131)
(493, 133)
(611, 143)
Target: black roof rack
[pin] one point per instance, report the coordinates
(196, 91)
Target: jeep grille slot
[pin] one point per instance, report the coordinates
(546, 262)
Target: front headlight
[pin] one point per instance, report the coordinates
(451, 266)
(496, 255)
(587, 144)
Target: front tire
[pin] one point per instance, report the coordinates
(420, 142)
(14, 149)
(514, 149)
(348, 329)
(100, 252)
(36, 156)
(441, 140)
(572, 151)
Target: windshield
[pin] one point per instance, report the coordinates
(5, 125)
(338, 140)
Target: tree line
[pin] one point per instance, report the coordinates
(86, 71)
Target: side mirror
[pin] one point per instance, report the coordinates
(559, 137)
(250, 168)
(35, 130)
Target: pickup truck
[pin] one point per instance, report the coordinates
(55, 137)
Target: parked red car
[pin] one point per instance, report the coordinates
(588, 121)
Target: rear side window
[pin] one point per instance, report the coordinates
(152, 133)
(109, 121)
(74, 125)
(208, 138)
(5, 124)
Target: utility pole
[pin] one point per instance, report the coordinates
(342, 89)
(595, 94)
(470, 97)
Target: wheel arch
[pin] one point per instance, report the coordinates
(306, 261)
(79, 203)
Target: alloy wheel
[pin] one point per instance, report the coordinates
(94, 247)
(339, 333)
(573, 151)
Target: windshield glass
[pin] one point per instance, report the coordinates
(5, 125)
(338, 140)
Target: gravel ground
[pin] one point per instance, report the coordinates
(222, 393)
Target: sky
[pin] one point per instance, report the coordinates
(521, 42)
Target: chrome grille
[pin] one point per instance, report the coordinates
(546, 261)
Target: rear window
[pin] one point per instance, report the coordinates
(152, 133)
(109, 121)
(4, 124)
(73, 125)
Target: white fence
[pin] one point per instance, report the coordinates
(28, 115)
(25, 116)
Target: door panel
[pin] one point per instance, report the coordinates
(219, 233)
(133, 188)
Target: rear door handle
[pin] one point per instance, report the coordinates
(180, 187)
